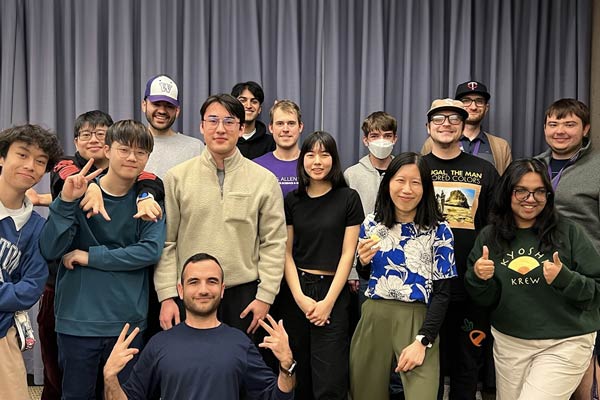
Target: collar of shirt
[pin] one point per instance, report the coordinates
(21, 219)
(480, 137)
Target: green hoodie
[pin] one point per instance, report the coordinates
(524, 305)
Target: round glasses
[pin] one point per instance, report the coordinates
(538, 194)
(124, 152)
(229, 123)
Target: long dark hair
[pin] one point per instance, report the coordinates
(428, 213)
(335, 176)
(502, 219)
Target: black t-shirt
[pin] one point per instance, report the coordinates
(319, 225)
(464, 189)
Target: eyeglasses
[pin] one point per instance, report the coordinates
(538, 194)
(124, 152)
(229, 123)
(84, 136)
(479, 102)
(439, 119)
(252, 101)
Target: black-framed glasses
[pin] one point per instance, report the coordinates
(479, 102)
(439, 119)
(522, 194)
(85, 136)
(229, 123)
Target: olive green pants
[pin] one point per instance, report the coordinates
(385, 328)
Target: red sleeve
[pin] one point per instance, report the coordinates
(66, 168)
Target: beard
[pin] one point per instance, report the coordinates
(164, 126)
(474, 120)
(201, 310)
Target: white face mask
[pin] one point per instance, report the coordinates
(381, 148)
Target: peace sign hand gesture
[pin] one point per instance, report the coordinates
(76, 185)
(121, 354)
(277, 341)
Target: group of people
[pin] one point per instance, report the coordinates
(236, 278)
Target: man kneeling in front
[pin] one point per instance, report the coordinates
(202, 358)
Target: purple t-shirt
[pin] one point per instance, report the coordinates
(285, 171)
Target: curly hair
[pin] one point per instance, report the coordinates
(32, 135)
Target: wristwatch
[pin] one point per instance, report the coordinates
(289, 371)
(144, 196)
(424, 341)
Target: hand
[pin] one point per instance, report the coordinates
(306, 304)
(412, 356)
(121, 354)
(75, 258)
(320, 314)
(552, 268)
(367, 248)
(484, 267)
(169, 312)
(93, 202)
(38, 199)
(259, 310)
(277, 341)
(148, 210)
(76, 185)
(354, 285)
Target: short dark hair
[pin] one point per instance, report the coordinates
(94, 118)
(379, 121)
(335, 176)
(130, 133)
(231, 104)
(198, 257)
(565, 107)
(428, 212)
(502, 219)
(252, 86)
(32, 135)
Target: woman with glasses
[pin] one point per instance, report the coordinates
(323, 217)
(540, 274)
(406, 252)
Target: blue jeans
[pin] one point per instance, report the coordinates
(82, 360)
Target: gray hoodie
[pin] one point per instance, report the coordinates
(365, 179)
(578, 192)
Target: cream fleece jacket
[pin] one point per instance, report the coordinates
(243, 226)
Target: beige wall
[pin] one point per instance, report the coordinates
(595, 75)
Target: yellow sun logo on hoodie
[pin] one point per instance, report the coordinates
(523, 264)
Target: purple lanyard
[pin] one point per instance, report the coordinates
(475, 148)
(556, 179)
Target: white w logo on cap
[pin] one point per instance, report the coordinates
(165, 87)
